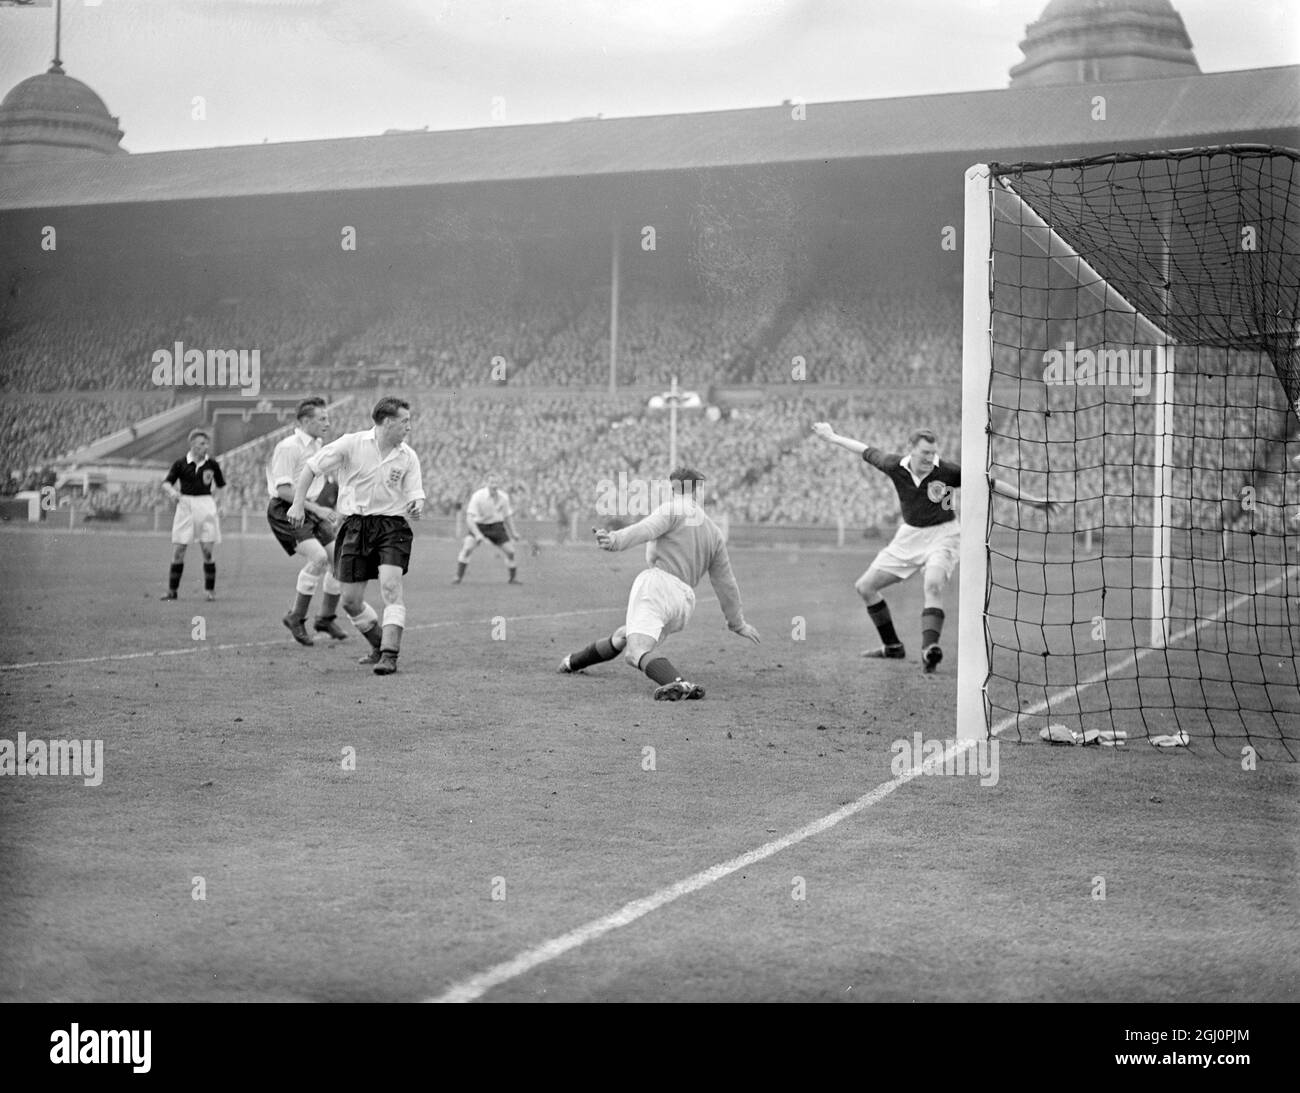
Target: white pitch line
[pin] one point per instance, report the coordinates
(476, 986)
(1073, 690)
(200, 647)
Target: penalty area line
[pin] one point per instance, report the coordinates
(198, 647)
(468, 990)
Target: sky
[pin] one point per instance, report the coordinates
(286, 70)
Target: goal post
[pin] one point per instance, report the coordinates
(1130, 350)
(976, 375)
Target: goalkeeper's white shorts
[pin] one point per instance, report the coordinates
(659, 604)
(935, 547)
(196, 519)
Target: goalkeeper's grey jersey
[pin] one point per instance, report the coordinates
(681, 539)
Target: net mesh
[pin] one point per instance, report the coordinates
(1163, 596)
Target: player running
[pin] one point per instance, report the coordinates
(682, 545)
(928, 539)
(379, 486)
(308, 540)
(197, 516)
(489, 517)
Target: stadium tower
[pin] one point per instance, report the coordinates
(1104, 41)
(54, 117)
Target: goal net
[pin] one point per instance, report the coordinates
(1132, 351)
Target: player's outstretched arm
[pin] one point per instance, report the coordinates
(1006, 489)
(657, 524)
(823, 429)
(724, 582)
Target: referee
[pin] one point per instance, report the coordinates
(379, 487)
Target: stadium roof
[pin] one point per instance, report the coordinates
(1165, 113)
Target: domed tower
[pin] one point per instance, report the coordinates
(54, 117)
(1101, 41)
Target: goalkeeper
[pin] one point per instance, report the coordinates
(682, 545)
(928, 540)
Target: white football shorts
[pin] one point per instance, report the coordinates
(196, 520)
(659, 604)
(921, 548)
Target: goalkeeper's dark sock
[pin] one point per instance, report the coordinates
(931, 626)
(596, 653)
(660, 670)
(329, 605)
(209, 576)
(174, 576)
(301, 602)
(884, 622)
(460, 569)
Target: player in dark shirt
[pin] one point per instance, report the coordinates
(190, 483)
(928, 539)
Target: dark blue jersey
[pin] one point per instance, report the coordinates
(928, 504)
(196, 481)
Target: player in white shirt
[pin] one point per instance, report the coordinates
(379, 487)
(681, 545)
(489, 517)
(309, 540)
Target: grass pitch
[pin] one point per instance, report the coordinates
(496, 805)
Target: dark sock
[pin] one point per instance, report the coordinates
(300, 604)
(174, 576)
(209, 576)
(390, 639)
(374, 635)
(596, 653)
(460, 569)
(660, 670)
(931, 626)
(512, 572)
(884, 622)
(329, 605)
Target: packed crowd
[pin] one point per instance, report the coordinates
(36, 431)
(892, 337)
(1231, 445)
(329, 331)
(559, 456)
(899, 343)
